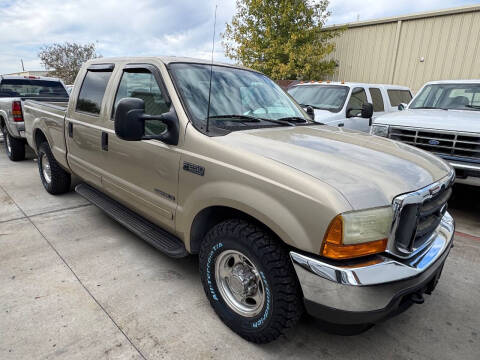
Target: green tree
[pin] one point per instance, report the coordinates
(282, 38)
(66, 59)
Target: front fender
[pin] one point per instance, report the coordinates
(297, 222)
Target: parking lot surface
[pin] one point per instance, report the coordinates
(76, 285)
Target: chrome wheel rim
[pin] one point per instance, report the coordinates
(46, 170)
(239, 283)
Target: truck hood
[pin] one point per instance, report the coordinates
(367, 170)
(453, 120)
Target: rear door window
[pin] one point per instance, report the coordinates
(398, 97)
(377, 99)
(92, 91)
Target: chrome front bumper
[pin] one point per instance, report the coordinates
(469, 168)
(372, 286)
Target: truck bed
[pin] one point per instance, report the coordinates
(49, 118)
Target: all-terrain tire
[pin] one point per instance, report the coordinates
(15, 148)
(60, 180)
(283, 304)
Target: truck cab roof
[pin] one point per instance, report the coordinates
(471, 81)
(164, 59)
(30, 77)
(350, 84)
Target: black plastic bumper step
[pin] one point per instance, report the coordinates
(151, 233)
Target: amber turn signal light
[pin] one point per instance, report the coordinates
(334, 248)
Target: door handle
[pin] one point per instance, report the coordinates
(70, 129)
(104, 141)
(341, 125)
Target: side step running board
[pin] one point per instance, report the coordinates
(151, 233)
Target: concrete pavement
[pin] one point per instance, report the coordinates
(76, 285)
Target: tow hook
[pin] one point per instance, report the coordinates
(417, 298)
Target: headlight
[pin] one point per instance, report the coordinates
(379, 130)
(358, 233)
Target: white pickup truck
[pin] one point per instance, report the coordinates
(444, 118)
(344, 104)
(14, 90)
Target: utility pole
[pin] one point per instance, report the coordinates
(23, 67)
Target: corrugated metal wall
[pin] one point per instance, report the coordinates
(392, 52)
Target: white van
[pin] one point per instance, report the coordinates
(340, 103)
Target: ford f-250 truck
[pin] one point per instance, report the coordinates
(444, 118)
(13, 91)
(285, 214)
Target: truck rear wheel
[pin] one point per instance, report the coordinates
(15, 148)
(249, 280)
(54, 179)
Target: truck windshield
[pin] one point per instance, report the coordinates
(448, 96)
(239, 98)
(32, 88)
(324, 97)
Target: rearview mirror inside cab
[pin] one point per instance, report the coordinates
(130, 120)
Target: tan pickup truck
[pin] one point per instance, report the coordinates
(286, 214)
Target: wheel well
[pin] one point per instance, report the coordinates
(39, 138)
(211, 216)
(2, 121)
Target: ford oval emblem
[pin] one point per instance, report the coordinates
(433, 142)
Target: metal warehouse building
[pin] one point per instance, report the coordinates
(411, 50)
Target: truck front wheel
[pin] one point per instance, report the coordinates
(54, 179)
(249, 280)
(15, 148)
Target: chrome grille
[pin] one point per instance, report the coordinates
(417, 215)
(439, 142)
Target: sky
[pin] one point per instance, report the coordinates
(150, 27)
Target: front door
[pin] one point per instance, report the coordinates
(143, 174)
(356, 101)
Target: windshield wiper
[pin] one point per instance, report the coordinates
(476, 107)
(429, 107)
(237, 116)
(248, 118)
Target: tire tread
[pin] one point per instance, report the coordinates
(276, 262)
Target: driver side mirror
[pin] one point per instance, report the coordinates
(402, 106)
(367, 111)
(130, 120)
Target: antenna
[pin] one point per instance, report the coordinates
(211, 70)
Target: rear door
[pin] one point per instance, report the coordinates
(377, 101)
(83, 132)
(143, 174)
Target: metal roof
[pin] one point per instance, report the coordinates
(420, 15)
